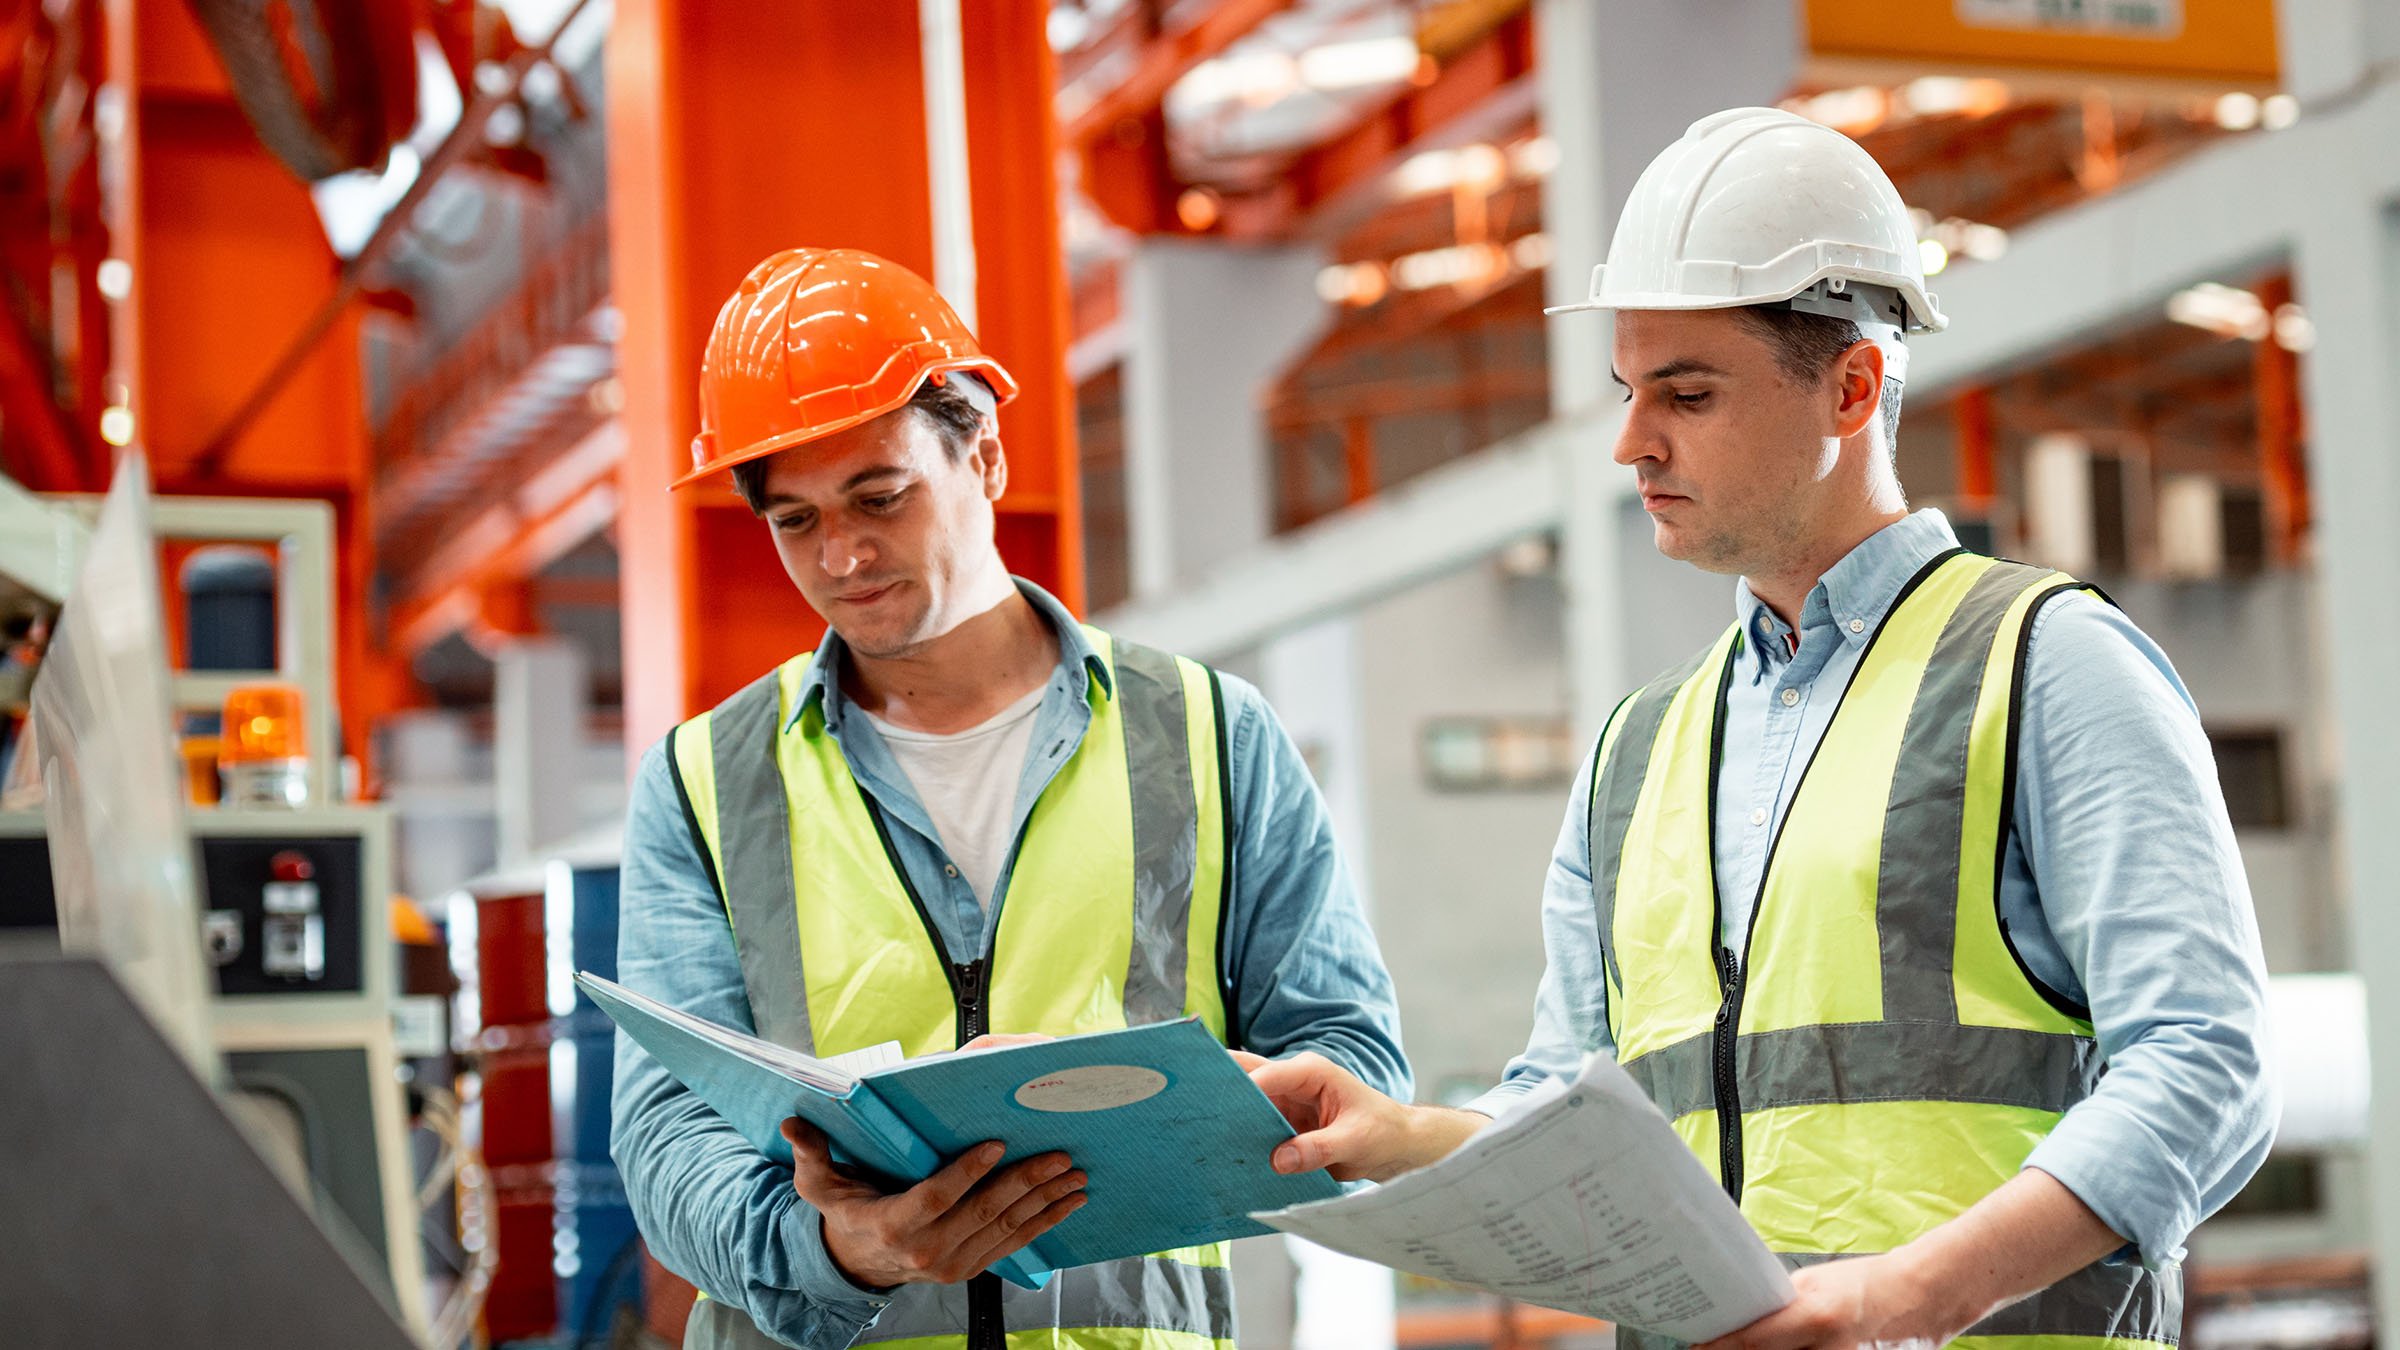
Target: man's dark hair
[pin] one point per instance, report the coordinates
(1806, 346)
(954, 416)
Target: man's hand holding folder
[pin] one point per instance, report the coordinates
(956, 1223)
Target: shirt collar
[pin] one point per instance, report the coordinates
(1855, 593)
(1078, 660)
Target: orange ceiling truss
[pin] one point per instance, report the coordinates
(2184, 399)
(1157, 59)
(1486, 88)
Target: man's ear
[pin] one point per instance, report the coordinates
(1858, 388)
(991, 461)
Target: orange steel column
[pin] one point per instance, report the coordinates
(737, 130)
(1978, 472)
(229, 262)
(2283, 466)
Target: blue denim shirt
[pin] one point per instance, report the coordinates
(2121, 886)
(1304, 967)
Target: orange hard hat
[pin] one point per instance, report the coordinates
(819, 340)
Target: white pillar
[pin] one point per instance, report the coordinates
(1618, 83)
(540, 703)
(2346, 266)
(1209, 325)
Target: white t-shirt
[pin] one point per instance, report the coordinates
(967, 781)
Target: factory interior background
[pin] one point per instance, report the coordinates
(383, 320)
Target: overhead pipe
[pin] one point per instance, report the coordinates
(461, 141)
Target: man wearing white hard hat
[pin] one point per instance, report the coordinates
(1911, 900)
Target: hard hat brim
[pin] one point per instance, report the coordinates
(1003, 387)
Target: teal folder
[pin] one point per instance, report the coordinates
(1172, 1134)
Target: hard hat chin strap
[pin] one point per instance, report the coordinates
(1880, 312)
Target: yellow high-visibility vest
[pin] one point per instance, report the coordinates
(1121, 872)
(1879, 1059)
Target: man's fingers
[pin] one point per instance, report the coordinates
(938, 1194)
(1249, 1062)
(813, 1172)
(1334, 1145)
(1043, 1220)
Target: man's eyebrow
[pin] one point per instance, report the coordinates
(1682, 366)
(864, 476)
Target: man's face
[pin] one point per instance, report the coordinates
(883, 530)
(1732, 454)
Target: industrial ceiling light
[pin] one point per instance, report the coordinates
(2237, 111)
(2278, 112)
(116, 425)
(114, 278)
(2224, 310)
(1934, 254)
(2294, 332)
(1339, 66)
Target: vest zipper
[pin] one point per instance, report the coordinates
(987, 1328)
(1729, 1103)
(1732, 974)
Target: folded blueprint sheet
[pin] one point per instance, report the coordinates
(1581, 1199)
(1172, 1133)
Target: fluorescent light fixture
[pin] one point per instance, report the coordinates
(1533, 157)
(1457, 265)
(1479, 166)
(1940, 95)
(1358, 65)
(1983, 243)
(1533, 252)
(2294, 332)
(1254, 79)
(1852, 110)
(2225, 310)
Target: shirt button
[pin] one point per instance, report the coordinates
(1790, 697)
(1858, 625)
(950, 869)
(1758, 816)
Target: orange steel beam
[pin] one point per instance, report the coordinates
(705, 178)
(512, 540)
(1490, 81)
(464, 139)
(2282, 463)
(1166, 58)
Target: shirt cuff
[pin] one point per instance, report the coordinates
(1501, 1099)
(821, 1282)
(2125, 1174)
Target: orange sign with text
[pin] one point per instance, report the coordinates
(2203, 42)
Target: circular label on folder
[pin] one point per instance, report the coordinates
(1093, 1087)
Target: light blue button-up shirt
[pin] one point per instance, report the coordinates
(2121, 888)
(1305, 971)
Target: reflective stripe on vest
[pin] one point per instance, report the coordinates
(1890, 1060)
(1122, 866)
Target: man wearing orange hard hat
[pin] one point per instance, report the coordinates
(987, 819)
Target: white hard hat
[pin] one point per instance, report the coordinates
(1757, 206)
